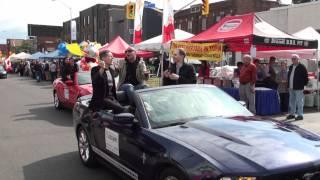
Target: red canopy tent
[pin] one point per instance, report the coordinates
(243, 31)
(118, 47)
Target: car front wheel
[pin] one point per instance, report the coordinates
(85, 151)
(56, 101)
(172, 174)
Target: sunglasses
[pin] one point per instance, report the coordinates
(129, 51)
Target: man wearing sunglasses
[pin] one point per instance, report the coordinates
(132, 71)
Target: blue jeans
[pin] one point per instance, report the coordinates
(129, 90)
(296, 102)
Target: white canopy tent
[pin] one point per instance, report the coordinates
(20, 56)
(51, 55)
(154, 44)
(36, 55)
(311, 33)
(308, 33)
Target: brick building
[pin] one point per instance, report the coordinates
(3, 49)
(45, 37)
(192, 21)
(101, 23)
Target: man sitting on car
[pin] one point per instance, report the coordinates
(103, 85)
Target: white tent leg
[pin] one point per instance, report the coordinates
(161, 65)
(318, 99)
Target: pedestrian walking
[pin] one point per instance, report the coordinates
(53, 71)
(248, 77)
(297, 79)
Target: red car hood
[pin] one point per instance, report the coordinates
(85, 89)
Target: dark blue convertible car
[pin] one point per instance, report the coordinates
(194, 132)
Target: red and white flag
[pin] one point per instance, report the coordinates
(137, 36)
(167, 22)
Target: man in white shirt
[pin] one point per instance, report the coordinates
(298, 78)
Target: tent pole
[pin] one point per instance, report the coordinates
(318, 100)
(161, 65)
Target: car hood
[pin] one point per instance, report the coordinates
(249, 145)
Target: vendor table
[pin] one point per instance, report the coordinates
(267, 100)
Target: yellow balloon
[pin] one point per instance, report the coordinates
(74, 49)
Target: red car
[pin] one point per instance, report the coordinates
(66, 93)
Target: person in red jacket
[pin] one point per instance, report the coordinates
(248, 77)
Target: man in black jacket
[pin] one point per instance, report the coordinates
(180, 72)
(297, 79)
(103, 84)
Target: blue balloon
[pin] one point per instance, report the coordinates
(63, 51)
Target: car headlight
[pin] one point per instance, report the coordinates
(238, 178)
(4, 72)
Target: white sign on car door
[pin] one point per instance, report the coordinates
(112, 141)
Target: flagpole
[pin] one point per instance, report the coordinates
(161, 65)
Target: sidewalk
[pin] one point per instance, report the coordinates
(311, 120)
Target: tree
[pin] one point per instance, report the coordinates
(25, 47)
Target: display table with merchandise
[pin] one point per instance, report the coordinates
(267, 100)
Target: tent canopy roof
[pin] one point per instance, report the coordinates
(240, 32)
(36, 55)
(154, 44)
(308, 33)
(118, 46)
(21, 55)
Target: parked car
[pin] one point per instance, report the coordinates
(3, 73)
(66, 93)
(194, 132)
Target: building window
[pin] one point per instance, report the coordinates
(179, 26)
(195, 9)
(190, 26)
(88, 20)
(204, 24)
(84, 21)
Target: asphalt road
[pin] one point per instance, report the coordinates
(38, 142)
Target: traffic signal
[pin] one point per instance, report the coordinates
(205, 7)
(130, 10)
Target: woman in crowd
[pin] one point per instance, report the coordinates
(282, 81)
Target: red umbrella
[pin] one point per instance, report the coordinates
(118, 46)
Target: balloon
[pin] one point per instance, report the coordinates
(75, 49)
(91, 51)
(63, 51)
(83, 45)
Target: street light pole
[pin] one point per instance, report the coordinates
(70, 9)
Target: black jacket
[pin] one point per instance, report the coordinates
(186, 74)
(100, 88)
(300, 78)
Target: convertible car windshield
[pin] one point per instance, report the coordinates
(84, 78)
(173, 106)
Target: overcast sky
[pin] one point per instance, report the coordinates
(16, 14)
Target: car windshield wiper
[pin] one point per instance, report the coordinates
(171, 124)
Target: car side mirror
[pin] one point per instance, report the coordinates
(124, 118)
(69, 82)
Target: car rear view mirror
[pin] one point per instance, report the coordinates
(124, 118)
(69, 82)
